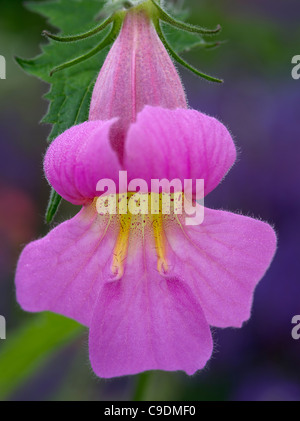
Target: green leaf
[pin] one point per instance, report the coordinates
(23, 353)
(71, 89)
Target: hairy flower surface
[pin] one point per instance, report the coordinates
(147, 286)
(137, 72)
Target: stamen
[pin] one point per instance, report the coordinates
(128, 222)
(121, 247)
(160, 244)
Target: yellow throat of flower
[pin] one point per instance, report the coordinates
(139, 212)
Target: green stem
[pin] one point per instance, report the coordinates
(115, 8)
(141, 386)
(107, 41)
(81, 36)
(179, 59)
(165, 17)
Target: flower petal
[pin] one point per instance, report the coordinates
(79, 158)
(63, 271)
(222, 261)
(183, 144)
(145, 322)
(136, 72)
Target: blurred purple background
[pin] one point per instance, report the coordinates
(260, 103)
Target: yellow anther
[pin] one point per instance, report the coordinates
(121, 247)
(160, 244)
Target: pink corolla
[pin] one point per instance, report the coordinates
(137, 72)
(148, 286)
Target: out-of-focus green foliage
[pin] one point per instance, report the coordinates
(263, 43)
(30, 346)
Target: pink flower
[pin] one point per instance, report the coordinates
(147, 286)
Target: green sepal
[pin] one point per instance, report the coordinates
(103, 44)
(80, 37)
(181, 60)
(165, 17)
(53, 205)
